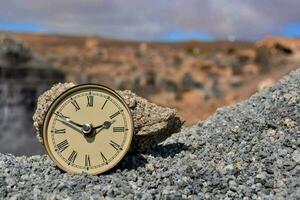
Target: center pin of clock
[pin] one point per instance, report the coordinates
(87, 129)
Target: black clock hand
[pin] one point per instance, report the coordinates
(68, 119)
(100, 126)
(105, 125)
(70, 125)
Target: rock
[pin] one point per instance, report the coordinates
(279, 45)
(250, 69)
(143, 47)
(265, 83)
(236, 81)
(169, 85)
(152, 123)
(246, 55)
(92, 43)
(296, 156)
(150, 79)
(272, 50)
(44, 102)
(24, 76)
(13, 51)
(150, 167)
(188, 82)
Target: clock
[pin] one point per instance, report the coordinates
(88, 128)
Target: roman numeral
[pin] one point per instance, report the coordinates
(103, 158)
(63, 145)
(72, 156)
(60, 131)
(115, 145)
(114, 115)
(75, 104)
(104, 103)
(90, 101)
(87, 160)
(118, 129)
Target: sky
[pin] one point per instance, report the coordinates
(155, 20)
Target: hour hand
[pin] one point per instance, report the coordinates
(105, 125)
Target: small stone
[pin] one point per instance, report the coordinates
(296, 156)
(150, 166)
(291, 98)
(229, 167)
(152, 123)
(195, 145)
(231, 154)
(235, 129)
(260, 176)
(289, 122)
(237, 165)
(11, 181)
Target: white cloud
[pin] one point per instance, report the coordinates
(244, 19)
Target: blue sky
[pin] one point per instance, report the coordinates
(291, 29)
(162, 20)
(20, 26)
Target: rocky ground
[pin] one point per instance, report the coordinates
(250, 150)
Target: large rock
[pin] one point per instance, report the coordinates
(13, 51)
(152, 123)
(24, 75)
(273, 51)
(279, 45)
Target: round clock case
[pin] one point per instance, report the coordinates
(88, 128)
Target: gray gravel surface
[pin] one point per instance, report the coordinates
(250, 150)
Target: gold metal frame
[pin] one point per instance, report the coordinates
(62, 97)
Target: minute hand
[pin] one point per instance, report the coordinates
(72, 122)
(65, 118)
(70, 125)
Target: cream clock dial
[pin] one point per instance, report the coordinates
(88, 128)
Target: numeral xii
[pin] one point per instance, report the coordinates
(90, 101)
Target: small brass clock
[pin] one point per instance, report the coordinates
(88, 128)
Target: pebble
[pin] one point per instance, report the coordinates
(150, 166)
(296, 156)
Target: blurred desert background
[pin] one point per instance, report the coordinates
(192, 56)
(194, 77)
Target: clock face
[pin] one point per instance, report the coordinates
(88, 128)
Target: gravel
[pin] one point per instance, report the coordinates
(250, 150)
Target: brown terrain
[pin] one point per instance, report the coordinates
(194, 77)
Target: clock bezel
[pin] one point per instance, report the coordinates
(63, 96)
